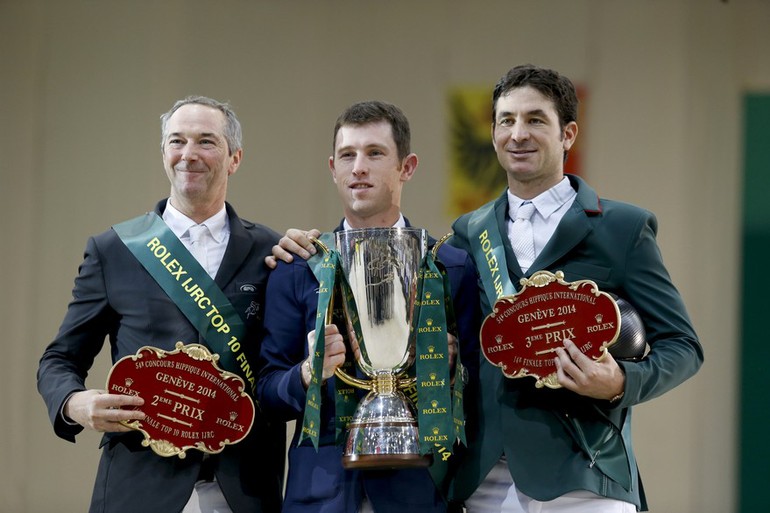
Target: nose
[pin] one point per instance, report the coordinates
(188, 152)
(519, 132)
(359, 166)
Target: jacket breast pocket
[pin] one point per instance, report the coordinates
(248, 300)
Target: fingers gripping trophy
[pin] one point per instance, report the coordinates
(398, 341)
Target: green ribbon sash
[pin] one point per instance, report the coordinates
(489, 253)
(325, 267)
(190, 287)
(439, 418)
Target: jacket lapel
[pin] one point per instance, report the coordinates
(574, 226)
(238, 248)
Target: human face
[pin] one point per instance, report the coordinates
(197, 159)
(369, 175)
(529, 142)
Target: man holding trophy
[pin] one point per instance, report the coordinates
(383, 287)
(152, 281)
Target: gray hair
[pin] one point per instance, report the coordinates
(232, 125)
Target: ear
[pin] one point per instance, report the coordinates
(235, 162)
(570, 134)
(408, 167)
(332, 169)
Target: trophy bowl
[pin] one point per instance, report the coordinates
(381, 267)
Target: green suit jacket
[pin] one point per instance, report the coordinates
(556, 441)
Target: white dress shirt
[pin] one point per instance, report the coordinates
(214, 242)
(550, 207)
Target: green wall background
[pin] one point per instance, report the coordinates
(755, 347)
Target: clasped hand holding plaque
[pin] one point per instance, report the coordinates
(524, 330)
(189, 402)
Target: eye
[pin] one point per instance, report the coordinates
(536, 121)
(505, 122)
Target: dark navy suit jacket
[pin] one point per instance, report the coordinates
(317, 481)
(115, 297)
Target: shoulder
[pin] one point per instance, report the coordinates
(626, 215)
(461, 226)
(260, 232)
(452, 256)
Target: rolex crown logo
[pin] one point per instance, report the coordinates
(233, 416)
(498, 338)
(427, 295)
(129, 382)
(320, 284)
(436, 430)
(312, 424)
(434, 403)
(431, 349)
(432, 375)
(429, 322)
(599, 317)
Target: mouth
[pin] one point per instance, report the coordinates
(181, 169)
(359, 186)
(521, 152)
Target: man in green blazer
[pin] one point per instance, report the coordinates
(566, 449)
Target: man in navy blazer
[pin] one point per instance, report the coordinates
(569, 449)
(370, 164)
(115, 297)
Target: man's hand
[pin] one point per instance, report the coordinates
(452, 344)
(334, 353)
(298, 242)
(100, 411)
(586, 376)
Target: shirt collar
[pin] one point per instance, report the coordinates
(180, 223)
(401, 223)
(546, 203)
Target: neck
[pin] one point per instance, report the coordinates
(196, 211)
(375, 221)
(528, 189)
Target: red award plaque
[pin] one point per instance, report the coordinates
(189, 402)
(524, 330)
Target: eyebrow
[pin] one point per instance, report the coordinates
(534, 112)
(212, 135)
(366, 147)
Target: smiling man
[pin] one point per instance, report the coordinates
(119, 296)
(370, 163)
(569, 449)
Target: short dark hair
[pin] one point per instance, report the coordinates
(232, 125)
(373, 111)
(550, 83)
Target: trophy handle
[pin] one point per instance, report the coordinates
(438, 244)
(403, 384)
(354, 382)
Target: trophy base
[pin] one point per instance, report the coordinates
(386, 461)
(383, 434)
